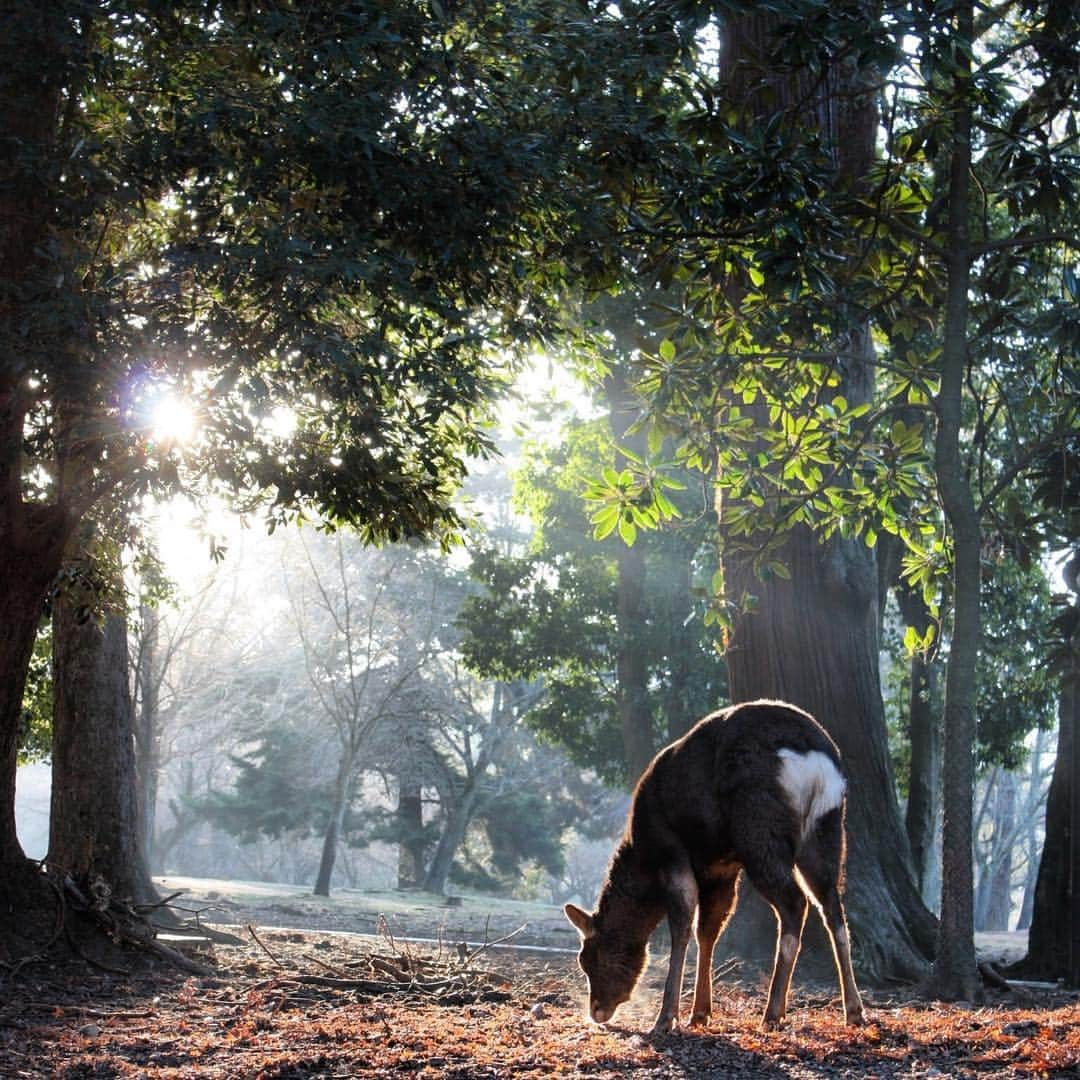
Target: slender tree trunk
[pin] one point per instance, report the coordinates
(93, 820)
(334, 826)
(451, 838)
(997, 912)
(148, 732)
(955, 975)
(410, 829)
(460, 814)
(1031, 845)
(813, 639)
(924, 785)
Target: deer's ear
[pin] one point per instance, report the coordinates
(582, 920)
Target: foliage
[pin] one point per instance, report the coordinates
(1016, 689)
(552, 611)
(319, 227)
(37, 701)
(782, 266)
(269, 795)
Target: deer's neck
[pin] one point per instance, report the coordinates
(631, 897)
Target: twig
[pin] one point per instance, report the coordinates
(323, 964)
(251, 931)
(491, 944)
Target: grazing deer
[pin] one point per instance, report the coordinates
(755, 787)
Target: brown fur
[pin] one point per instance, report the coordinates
(710, 805)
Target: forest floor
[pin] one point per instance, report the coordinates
(284, 1002)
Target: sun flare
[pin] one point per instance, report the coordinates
(172, 419)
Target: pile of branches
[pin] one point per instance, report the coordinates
(395, 972)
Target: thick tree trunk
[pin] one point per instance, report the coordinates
(1054, 937)
(93, 822)
(813, 642)
(32, 537)
(813, 639)
(24, 580)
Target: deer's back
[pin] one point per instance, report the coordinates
(730, 763)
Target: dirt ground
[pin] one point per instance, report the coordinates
(285, 1003)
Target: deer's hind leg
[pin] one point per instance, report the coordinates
(769, 862)
(820, 862)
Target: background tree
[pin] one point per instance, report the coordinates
(556, 612)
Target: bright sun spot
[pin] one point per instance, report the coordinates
(172, 419)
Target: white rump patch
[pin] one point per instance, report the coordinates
(813, 785)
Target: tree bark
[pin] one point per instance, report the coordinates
(410, 829)
(334, 827)
(147, 731)
(452, 837)
(93, 821)
(813, 640)
(1054, 937)
(1030, 819)
(955, 976)
(995, 911)
(32, 536)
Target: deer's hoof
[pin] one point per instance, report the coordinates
(771, 1023)
(699, 1020)
(856, 1018)
(664, 1025)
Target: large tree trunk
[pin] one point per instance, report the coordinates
(813, 642)
(1054, 937)
(32, 537)
(93, 822)
(24, 579)
(813, 639)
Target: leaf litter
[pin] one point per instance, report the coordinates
(284, 1005)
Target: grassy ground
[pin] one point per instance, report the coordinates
(403, 914)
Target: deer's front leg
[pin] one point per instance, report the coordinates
(715, 902)
(682, 897)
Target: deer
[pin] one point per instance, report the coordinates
(755, 788)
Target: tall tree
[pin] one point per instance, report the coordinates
(225, 208)
(826, 592)
(93, 819)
